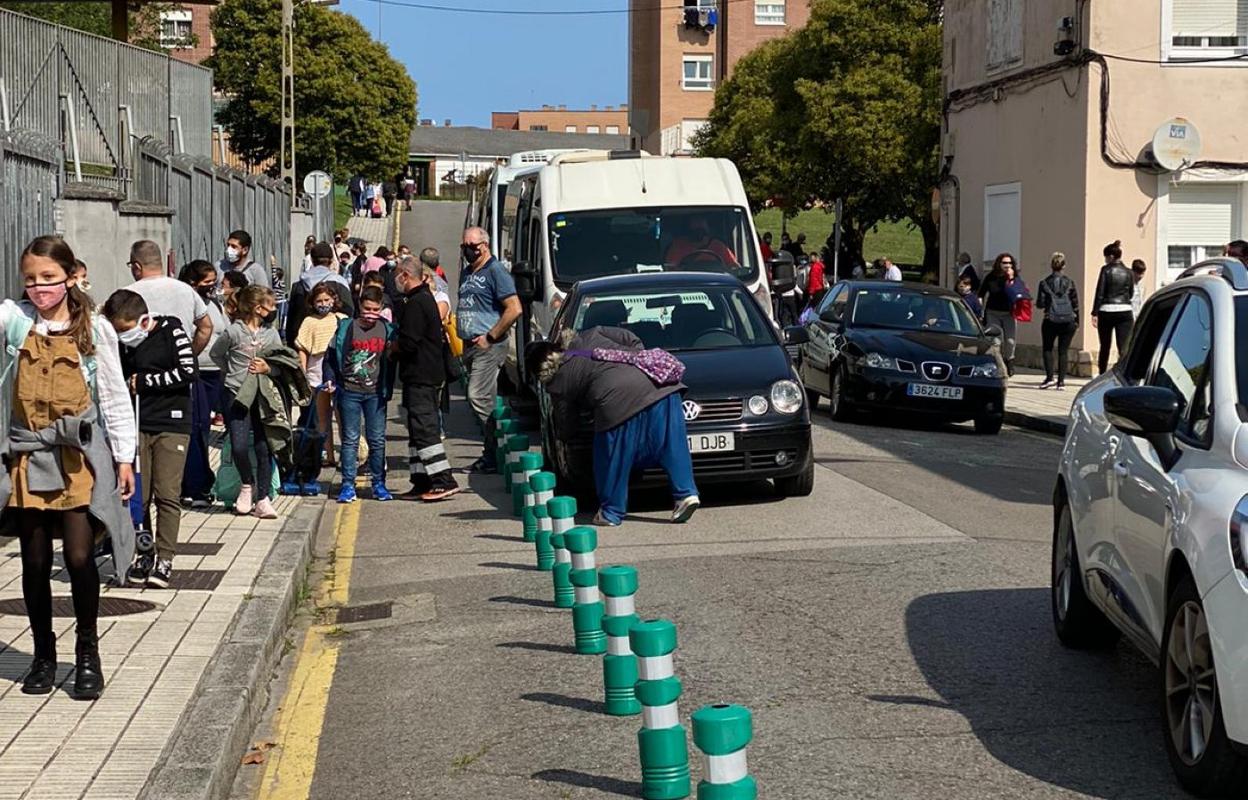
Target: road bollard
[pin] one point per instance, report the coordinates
(504, 429)
(562, 519)
(618, 586)
(527, 465)
(722, 733)
(541, 490)
(517, 443)
(587, 610)
(661, 740)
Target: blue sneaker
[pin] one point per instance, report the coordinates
(347, 495)
(311, 489)
(381, 493)
(291, 488)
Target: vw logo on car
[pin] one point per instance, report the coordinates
(692, 410)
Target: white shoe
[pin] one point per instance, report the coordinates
(603, 522)
(264, 509)
(685, 508)
(243, 505)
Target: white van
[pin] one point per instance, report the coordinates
(596, 213)
(485, 205)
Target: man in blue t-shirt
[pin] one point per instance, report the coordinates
(488, 307)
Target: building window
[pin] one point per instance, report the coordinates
(592, 129)
(613, 130)
(697, 75)
(569, 129)
(175, 30)
(1005, 33)
(1204, 28)
(1003, 220)
(1200, 220)
(537, 127)
(768, 12)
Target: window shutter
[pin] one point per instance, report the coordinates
(1202, 215)
(1210, 17)
(1005, 32)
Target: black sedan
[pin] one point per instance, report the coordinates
(905, 348)
(745, 409)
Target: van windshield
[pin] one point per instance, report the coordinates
(592, 244)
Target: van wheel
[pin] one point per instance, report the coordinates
(1196, 740)
(1079, 623)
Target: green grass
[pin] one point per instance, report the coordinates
(899, 241)
(342, 207)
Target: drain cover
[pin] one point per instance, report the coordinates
(64, 607)
(198, 548)
(364, 613)
(205, 579)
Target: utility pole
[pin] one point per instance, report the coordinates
(287, 155)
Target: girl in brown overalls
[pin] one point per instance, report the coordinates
(69, 449)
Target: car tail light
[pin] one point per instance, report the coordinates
(1239, 532)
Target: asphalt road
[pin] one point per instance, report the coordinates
(891, 634)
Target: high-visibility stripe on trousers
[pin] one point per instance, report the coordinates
(426, 455)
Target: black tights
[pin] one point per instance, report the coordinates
(78, 546)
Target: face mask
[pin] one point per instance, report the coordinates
(47, 296)
(232, 255)
(324, 308)
(370, 316)
(470, 252)
(269, 318)
(390, 263)
(206, 292)
(136, 335)
(342, 264)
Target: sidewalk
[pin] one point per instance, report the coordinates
(155, 646)
(1028, 406)
(375, 232)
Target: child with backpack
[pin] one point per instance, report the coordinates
(159, 364)
(1059, 300)
(316, 332)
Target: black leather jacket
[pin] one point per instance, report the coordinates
(1115, 286)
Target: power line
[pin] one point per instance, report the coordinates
(1210, 60)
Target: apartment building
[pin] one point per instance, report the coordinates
(679, 52)
(1053, 106)
(609, 120)
(186, 31)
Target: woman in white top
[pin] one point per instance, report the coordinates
(69, 440)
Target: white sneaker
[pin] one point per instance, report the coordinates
(243, 506)
(264, 509)
(1048, 383)
(685, 508)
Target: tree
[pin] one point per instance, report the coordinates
(846, 107)
(94, 17)
(354, 105)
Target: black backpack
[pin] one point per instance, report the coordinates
(1061, 309)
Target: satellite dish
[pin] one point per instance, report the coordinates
(1176, 144)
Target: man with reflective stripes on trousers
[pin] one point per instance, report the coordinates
(422, 371)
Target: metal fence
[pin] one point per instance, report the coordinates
(28, 178)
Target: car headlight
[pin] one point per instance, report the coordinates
(758, 405)
(877, 361)
(988, 370)
(786, 397)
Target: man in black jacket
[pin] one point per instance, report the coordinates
(422, 371)
(158, 361)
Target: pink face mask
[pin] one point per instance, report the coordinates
(47, 295)
(370, 316)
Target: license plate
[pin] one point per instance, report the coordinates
(711, 442)
(938, 392)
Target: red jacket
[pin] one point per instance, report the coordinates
(815, 281)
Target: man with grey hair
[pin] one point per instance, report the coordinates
(966, 269)
(167, 297)
(488, 307)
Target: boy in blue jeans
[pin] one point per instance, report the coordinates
(358, 365)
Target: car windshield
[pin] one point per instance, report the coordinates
(912, 310)
(703, 319)
(593, 244)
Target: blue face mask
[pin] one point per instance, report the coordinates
(324, 308)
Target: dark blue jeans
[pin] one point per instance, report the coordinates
(655, 437)
(205, 396)
(352, 406)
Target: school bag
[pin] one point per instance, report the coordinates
(1061, 309)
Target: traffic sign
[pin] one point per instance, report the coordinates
(317, 184)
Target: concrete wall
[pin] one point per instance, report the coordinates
(101, 231)
(558, 120)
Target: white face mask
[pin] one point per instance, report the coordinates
(136, 335)
(232, 255)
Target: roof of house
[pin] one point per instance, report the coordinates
(496, 143)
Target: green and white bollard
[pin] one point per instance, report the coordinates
(542, 490)
(619, 666)
(517, 443)
(527, 465)
(502, 431)
(722, 733)
(587, 630)
(562, 519)
(661, 740)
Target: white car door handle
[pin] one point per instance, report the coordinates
(1113, 442)
(1120, 469)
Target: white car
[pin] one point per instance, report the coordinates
(1149, 536)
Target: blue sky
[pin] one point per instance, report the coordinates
(466, 65)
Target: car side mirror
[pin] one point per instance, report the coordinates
(1148, 412)
(783, 273)
(994, 332)
(796, 334)
(525, 279)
